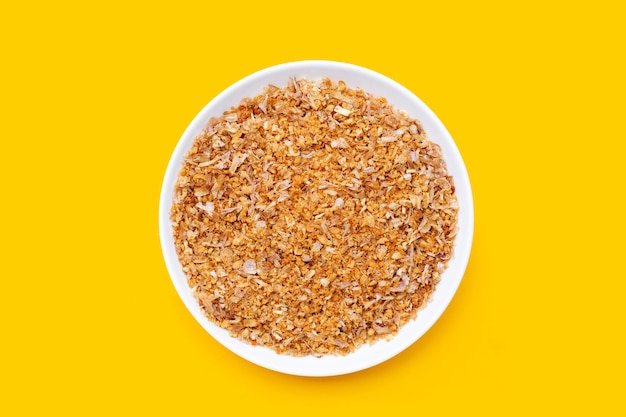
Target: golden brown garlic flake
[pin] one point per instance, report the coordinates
(313, 219)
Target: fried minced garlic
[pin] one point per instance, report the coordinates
(313, 219)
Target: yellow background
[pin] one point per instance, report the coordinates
(94, 97)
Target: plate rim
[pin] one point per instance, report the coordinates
(329, 365)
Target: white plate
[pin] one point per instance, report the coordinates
(399, 97)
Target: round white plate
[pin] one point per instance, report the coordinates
(399, 97)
